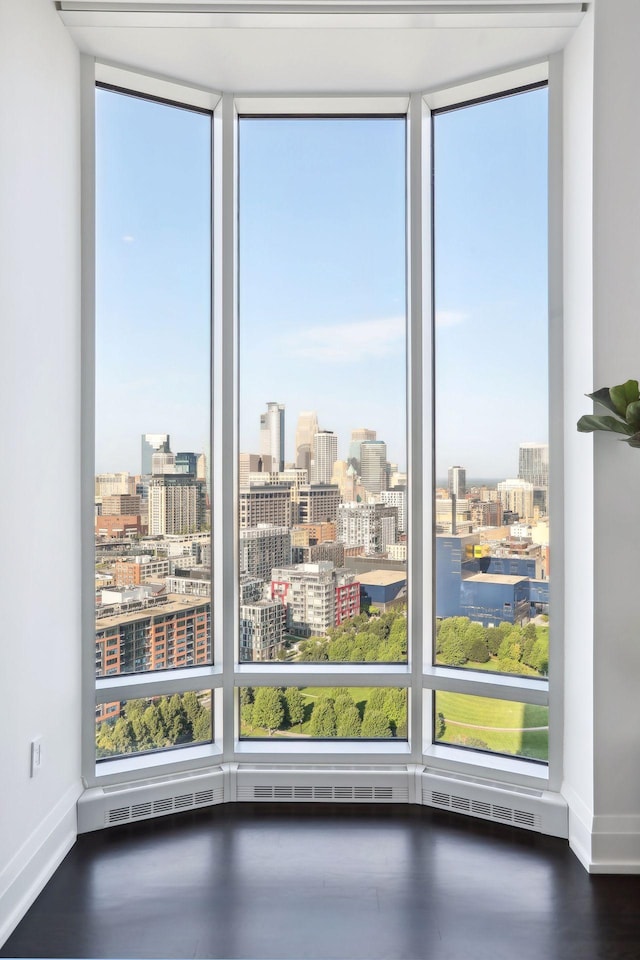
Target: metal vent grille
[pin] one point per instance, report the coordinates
(335, 792)
(160, 807)
(481, 808)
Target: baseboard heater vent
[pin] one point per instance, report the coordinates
(102, 807)
(536, 810)
(342, 785)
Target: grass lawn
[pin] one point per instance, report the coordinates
(506, 723)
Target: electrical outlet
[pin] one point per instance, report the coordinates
(36, 756)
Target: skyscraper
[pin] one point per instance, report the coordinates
(152, 443)
(325, 454)
(357, 437)
(458, 482)
(272, 433)
(533, 463)
(305, 432)
(373, 465)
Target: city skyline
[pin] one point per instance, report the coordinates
(322, 279)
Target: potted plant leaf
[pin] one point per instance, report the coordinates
(623, 401)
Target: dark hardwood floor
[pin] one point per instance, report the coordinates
(249, 881)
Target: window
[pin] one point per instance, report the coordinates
(317, 636)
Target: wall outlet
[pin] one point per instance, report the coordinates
(36, 756)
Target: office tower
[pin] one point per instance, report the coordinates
(325, 454)
(176, 504)
(533, 463)
(516, 496)
(262, 548)
(265, 504)
(187, 463)
(373, 465)
(318, 503)
(305, 432)
(272, 434)
(251, 463)
(357, 437)
(123, 504)
(152, 443)
(162, 463)
(458, 482)
(114, 483)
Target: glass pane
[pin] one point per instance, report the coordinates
(152, 486)
(346, 713)
(491, 384)
(500, 726)
(322, 498)
(151, 724)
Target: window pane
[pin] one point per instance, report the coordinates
(491, 385)
(500, 726)
(151, 724)
(322, 466)
(152, 486)
(370, 713)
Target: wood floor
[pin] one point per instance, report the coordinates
(262, 882)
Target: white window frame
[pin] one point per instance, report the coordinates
(419, 676)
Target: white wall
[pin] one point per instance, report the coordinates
(616, 274)
(602, 490)
(39, 385)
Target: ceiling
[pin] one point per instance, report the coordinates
(285, 47)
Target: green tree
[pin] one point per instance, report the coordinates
(479, 651)
(339, 649)
(323, 719)
(294, 706)
(201, 727)
(156, 730)
(395, 707)
(343, 701)
(268, 711)
(454, 650)
(349, 722)
(375, 724)
(441, 726)
(376, 699)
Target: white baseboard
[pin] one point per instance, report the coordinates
(603, 844)
(40, 855)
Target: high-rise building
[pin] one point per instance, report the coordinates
(162, 463)
(398, 499)
(152, 443)
(272, 434)
(125, 504)
(457, 482)
(516, 496)
(186, 462)
(251, 463)
(533, 463)
(262, 548)
(318, 503)
(373, 465)
(261, 630)
(176, 504)
(357, 437)
(370, 526)
(114, 483)
(325, 454)
(305, 432)
(266, 504)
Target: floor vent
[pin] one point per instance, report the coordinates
(128, 803)
(532, 810)
(349, 785)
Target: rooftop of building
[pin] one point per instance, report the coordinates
(176, 603)
(381, 578)
(495, 578)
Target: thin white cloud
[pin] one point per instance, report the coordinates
(450, 318)
(350, 342)
(127, 238)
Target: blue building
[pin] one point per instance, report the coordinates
(486, 589)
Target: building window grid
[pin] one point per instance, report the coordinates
(430, 677)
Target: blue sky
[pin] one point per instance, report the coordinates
(322, 278)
